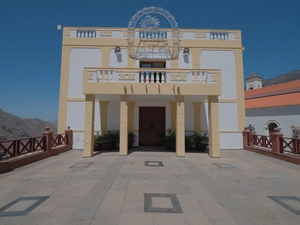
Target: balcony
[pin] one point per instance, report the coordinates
(138, 81)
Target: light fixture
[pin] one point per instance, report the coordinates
(186, 51)
(251, 128)
(117, 50)
(292, 127)
(58, 27)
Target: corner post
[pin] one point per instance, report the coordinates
(180, 126)
(89, 126)
(69, 135)
(123, 125)
(49, 136)
(246, 134)
(214, 133)
(275, 139)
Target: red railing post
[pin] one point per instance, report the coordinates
(69, 136)
(49, 135)
(246, 133)
(275, 139)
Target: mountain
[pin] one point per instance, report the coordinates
(291, 76)
(13, 127)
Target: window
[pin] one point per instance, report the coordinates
(271, 127)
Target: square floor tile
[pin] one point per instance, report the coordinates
(21, 206)
(161, 203)
(81, 165)
(154, 163)
(225, 165)
(291, 203)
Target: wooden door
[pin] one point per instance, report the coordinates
(151, 126)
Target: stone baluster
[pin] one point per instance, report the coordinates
(163, 78)
(157, 77)
(142, 77)
(152, 77)
(147, 77)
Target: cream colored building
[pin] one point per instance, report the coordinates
(147, 79)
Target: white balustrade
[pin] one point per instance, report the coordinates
(152, 76)
(155, 35)
(86, 34)
(218, 35)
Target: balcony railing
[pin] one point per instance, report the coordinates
(141, 75)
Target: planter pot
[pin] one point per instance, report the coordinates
(130, 144)
(97, 147)
(188, 146)
(110, 145)
(201, 147)
(171, 146)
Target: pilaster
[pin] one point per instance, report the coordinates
(214, 134)
(123, 125)
(103, 116)
(89, 126)
(180, 126)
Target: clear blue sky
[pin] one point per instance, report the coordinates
(31, 46)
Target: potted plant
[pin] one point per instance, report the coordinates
(200, 141)
(170, 140)
(188, 142)
(97, 142)
(110, 140)
(131, 139)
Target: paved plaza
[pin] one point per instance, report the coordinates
(152, 187)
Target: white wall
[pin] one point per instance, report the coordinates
(78, 138)
(231, 141)
(228, 118)
(285, 117)
(224, 60)
(80, 58)
(254, 82)
(113, 116)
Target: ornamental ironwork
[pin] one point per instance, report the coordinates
(153, 40)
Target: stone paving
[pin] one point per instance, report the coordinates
(152, 187)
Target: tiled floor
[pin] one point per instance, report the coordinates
(152, 187)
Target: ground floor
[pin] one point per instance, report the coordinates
(152, 188)
(149, 118)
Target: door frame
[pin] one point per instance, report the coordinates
(164, 124)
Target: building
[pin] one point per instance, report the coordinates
(273, 106)
(148, 79)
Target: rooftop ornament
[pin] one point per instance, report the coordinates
(152, 39)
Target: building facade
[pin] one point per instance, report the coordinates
(147, 79)
(274, 106)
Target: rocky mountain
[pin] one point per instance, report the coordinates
(13, 127)
(291, 76)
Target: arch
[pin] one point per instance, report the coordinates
(155, 10)
(270, 125)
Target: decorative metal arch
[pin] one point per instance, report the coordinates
(165, 14)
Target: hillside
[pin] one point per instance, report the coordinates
(291, 76)
(13, 127)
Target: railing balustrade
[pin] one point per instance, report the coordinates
(290, 145)
(59, 139)
(260, 140)
(218, 35)
(85, 33)
(19, 147)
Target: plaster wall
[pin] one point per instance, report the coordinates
(284, 117)
(225, 61)
(118, 60)
(78, 138)
(255, 83)
(80, 58)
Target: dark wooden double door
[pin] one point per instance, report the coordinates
(151, 126)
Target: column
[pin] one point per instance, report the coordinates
(103, 116)
(214, 135)
(131, 116)
(123, 125)
(197, 117)
(173, 115)
(89, 126)
(180, 126)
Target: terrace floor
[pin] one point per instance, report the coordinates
(152, 187)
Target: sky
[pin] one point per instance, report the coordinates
(30, 55)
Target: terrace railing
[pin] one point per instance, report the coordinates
(274, 145)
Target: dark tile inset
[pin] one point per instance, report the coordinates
(154, 163)
(81, 165)
(225, 165)
(148, 203)
(281, 201)
(39, 200)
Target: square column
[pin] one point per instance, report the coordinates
(131, 116)
(123, 125)
(103, 116)
(173, 115)
(180, 126)
(89, 126)
(214, 133)
(197, 117)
